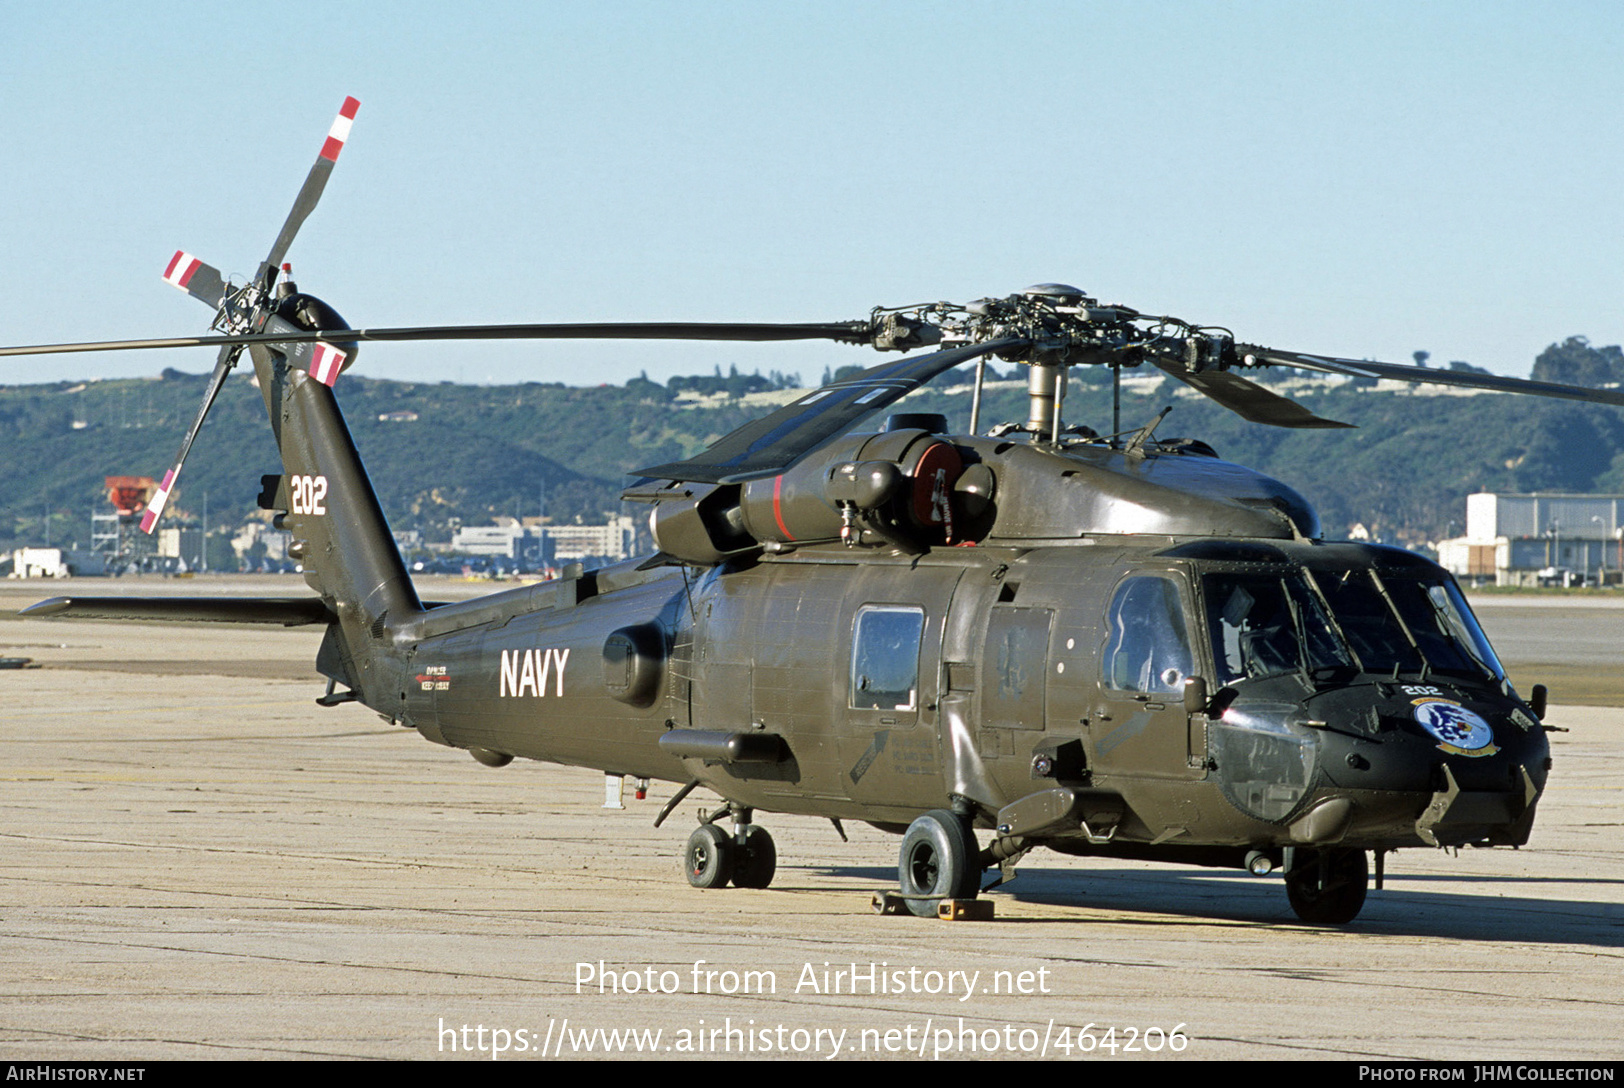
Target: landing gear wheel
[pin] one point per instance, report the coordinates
(709, 858)
(754, 866)
(938, 861)
(1327, 887)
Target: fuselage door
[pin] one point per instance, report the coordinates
(1140, 726)
(891, 685)
(1014, 677)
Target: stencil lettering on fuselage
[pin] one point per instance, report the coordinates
(531, 672)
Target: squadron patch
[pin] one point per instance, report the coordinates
(1459, 731)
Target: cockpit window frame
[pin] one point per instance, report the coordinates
(1451, 625)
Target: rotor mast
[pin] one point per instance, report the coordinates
(1046, 369)
(1045, 395)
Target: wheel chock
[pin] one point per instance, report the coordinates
(964, 910)
(948, 910)
(885, 902)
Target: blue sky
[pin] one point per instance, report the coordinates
(1354, 179)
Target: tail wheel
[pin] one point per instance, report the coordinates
(1327, 887)
(709, 859)
(757, 862)
(938, 861)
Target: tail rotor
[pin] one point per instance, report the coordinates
(258, 307)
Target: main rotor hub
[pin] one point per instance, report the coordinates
(1060, 293)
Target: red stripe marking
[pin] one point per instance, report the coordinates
(169, 269)
(191, 270)
(351, 104)
(330, 150)
(778, 513)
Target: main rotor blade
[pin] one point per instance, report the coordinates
(851, 332)
(222, 367)
(771, 444)
(314, 183)
(1246, 399)
(1359, 368)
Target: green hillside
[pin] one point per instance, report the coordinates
(478, 451)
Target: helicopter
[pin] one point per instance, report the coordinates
(1109, 645)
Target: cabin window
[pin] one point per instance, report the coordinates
(885, 657)
(1149, 646)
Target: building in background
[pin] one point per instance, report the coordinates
(534, 545)
(1542, 538)
(183, 543)
(55, 563)
(610, 542)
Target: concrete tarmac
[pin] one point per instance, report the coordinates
(199, 862)
(1574, 645)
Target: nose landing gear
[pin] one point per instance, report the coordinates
(1327, 887)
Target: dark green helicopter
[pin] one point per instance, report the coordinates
(1113, 646)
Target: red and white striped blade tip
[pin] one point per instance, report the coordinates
(182, 267)
(326, 364)
(340, 130)
(156, 506)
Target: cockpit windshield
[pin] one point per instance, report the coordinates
(1366, 617)
(1444, 627)
(1277, 623)
(1269, 624)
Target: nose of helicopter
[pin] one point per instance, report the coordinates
(1383, 769)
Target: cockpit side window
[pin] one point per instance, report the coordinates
(1148, 649)
(1452, 607)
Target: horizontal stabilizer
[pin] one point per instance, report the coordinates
(283, 611)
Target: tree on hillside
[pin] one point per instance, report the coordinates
(1575, 362)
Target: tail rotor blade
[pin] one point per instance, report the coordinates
(222, 367)
(201, 281)
(155, 507)
(314, 183)
(204, 282)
